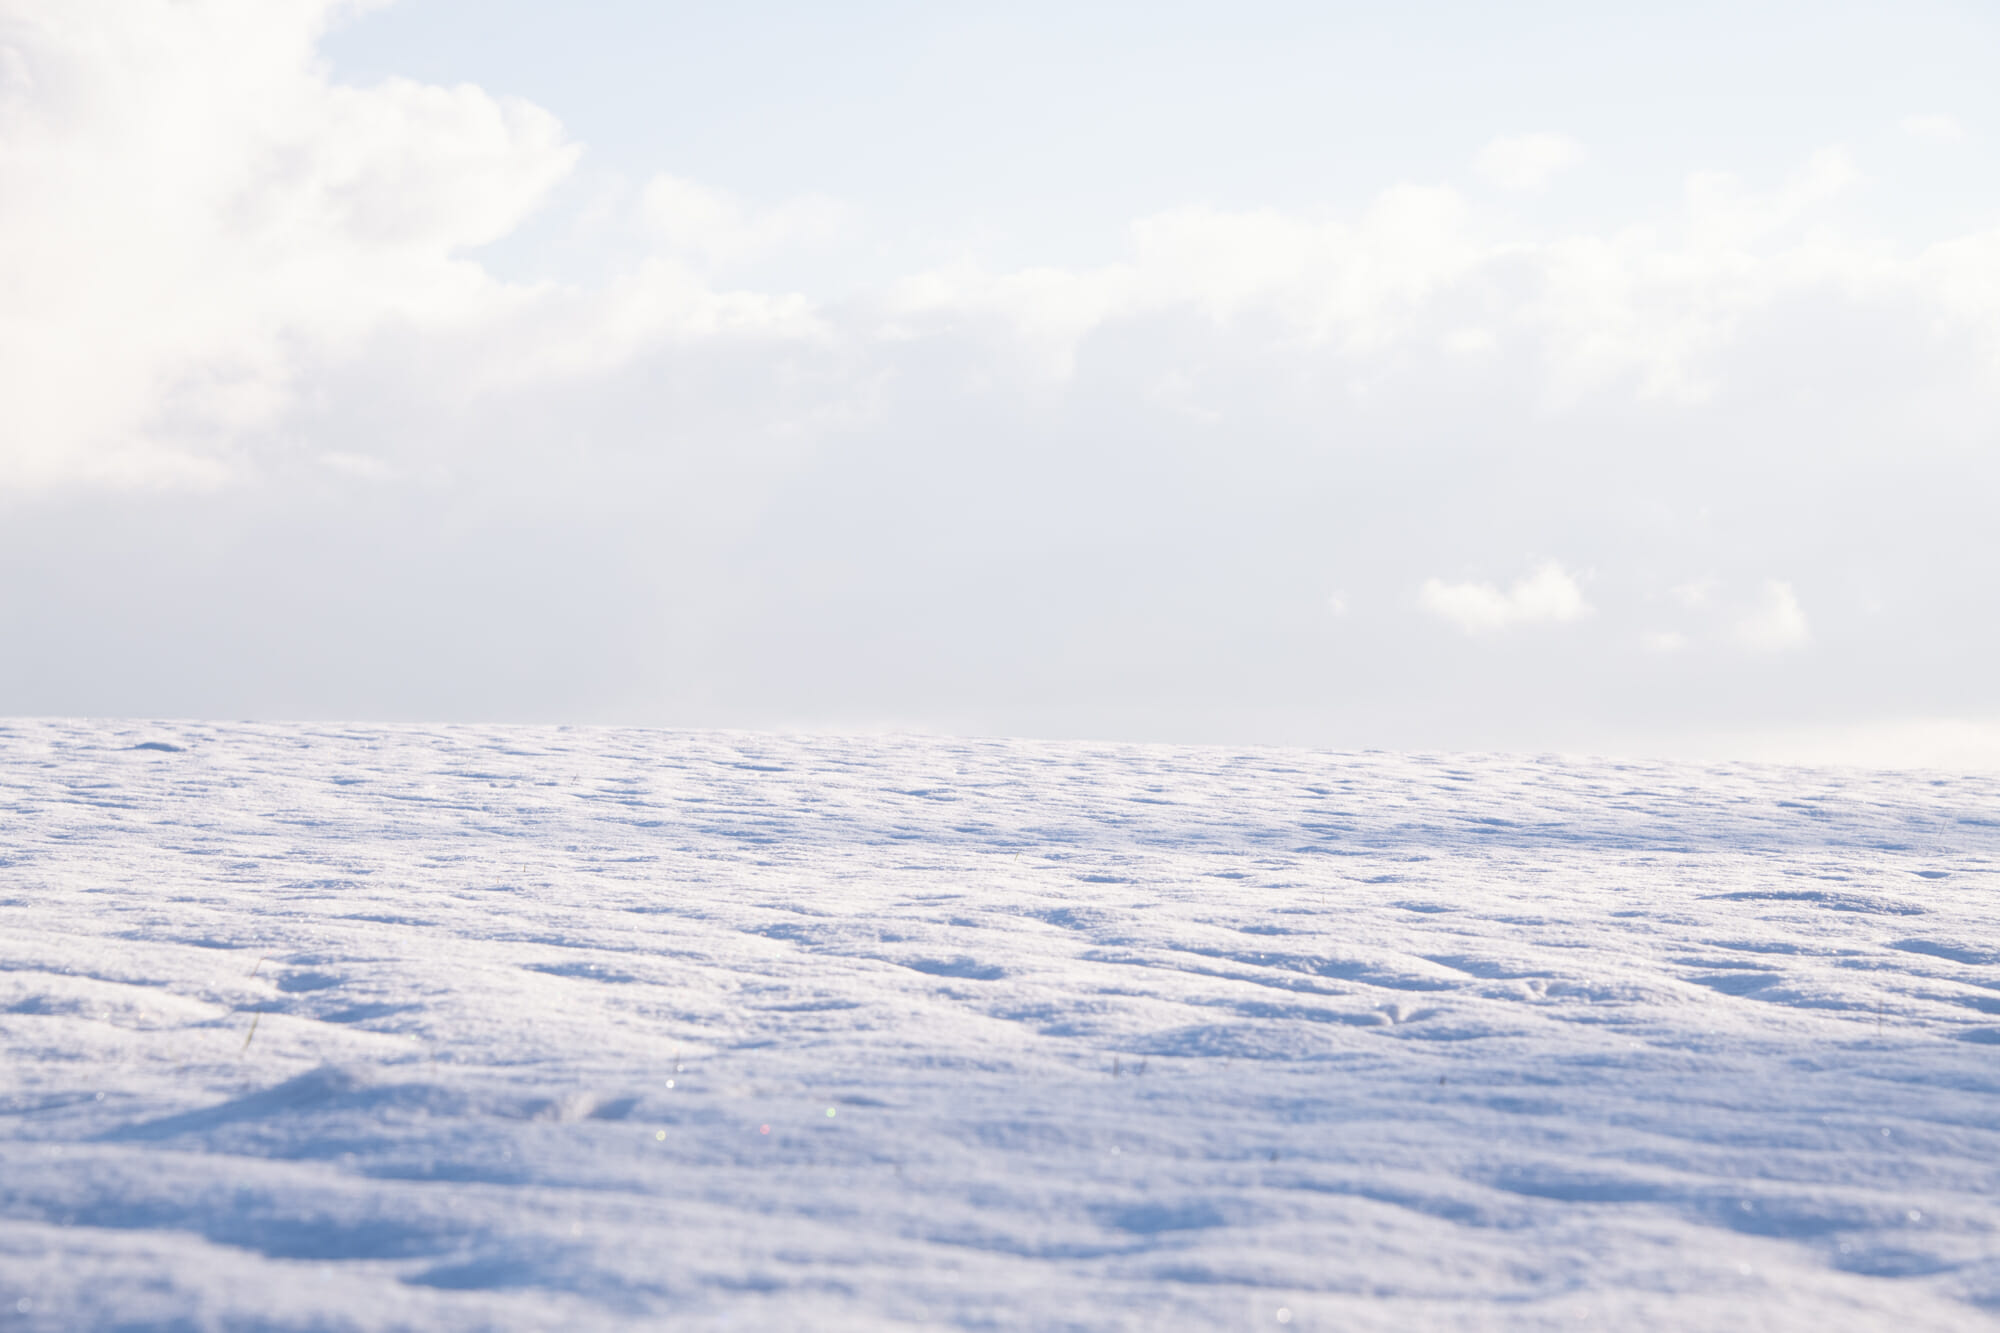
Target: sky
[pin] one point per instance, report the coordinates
(1530, 377)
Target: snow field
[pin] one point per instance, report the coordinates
(326, 1027)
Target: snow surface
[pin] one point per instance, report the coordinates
(323, 1027)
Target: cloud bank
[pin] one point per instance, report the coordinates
(205, 224)
(739, 475)
(195, 212)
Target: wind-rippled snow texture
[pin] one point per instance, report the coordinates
(325, 1027)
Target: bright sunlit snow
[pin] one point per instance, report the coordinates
(320, 1027)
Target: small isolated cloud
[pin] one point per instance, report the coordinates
(363, 466)
(1469, 342)
(1337, 603)
(1940, 128)
(1776, 624)
(1547, 596)
(1694, 593)
(1528, 161)
(1665, 641)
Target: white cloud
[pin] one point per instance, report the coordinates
(1942, 128)
(191, 204)
(1655, 309)
(1547, 596)
(713, 226)
(1695, 593)
(1724, 216)
(1527, 162)
(1469, 342)
(199, 221)
(1342, 285)
(1660, 307)
(1776, 624)
(359, 466)
(1665, 641)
